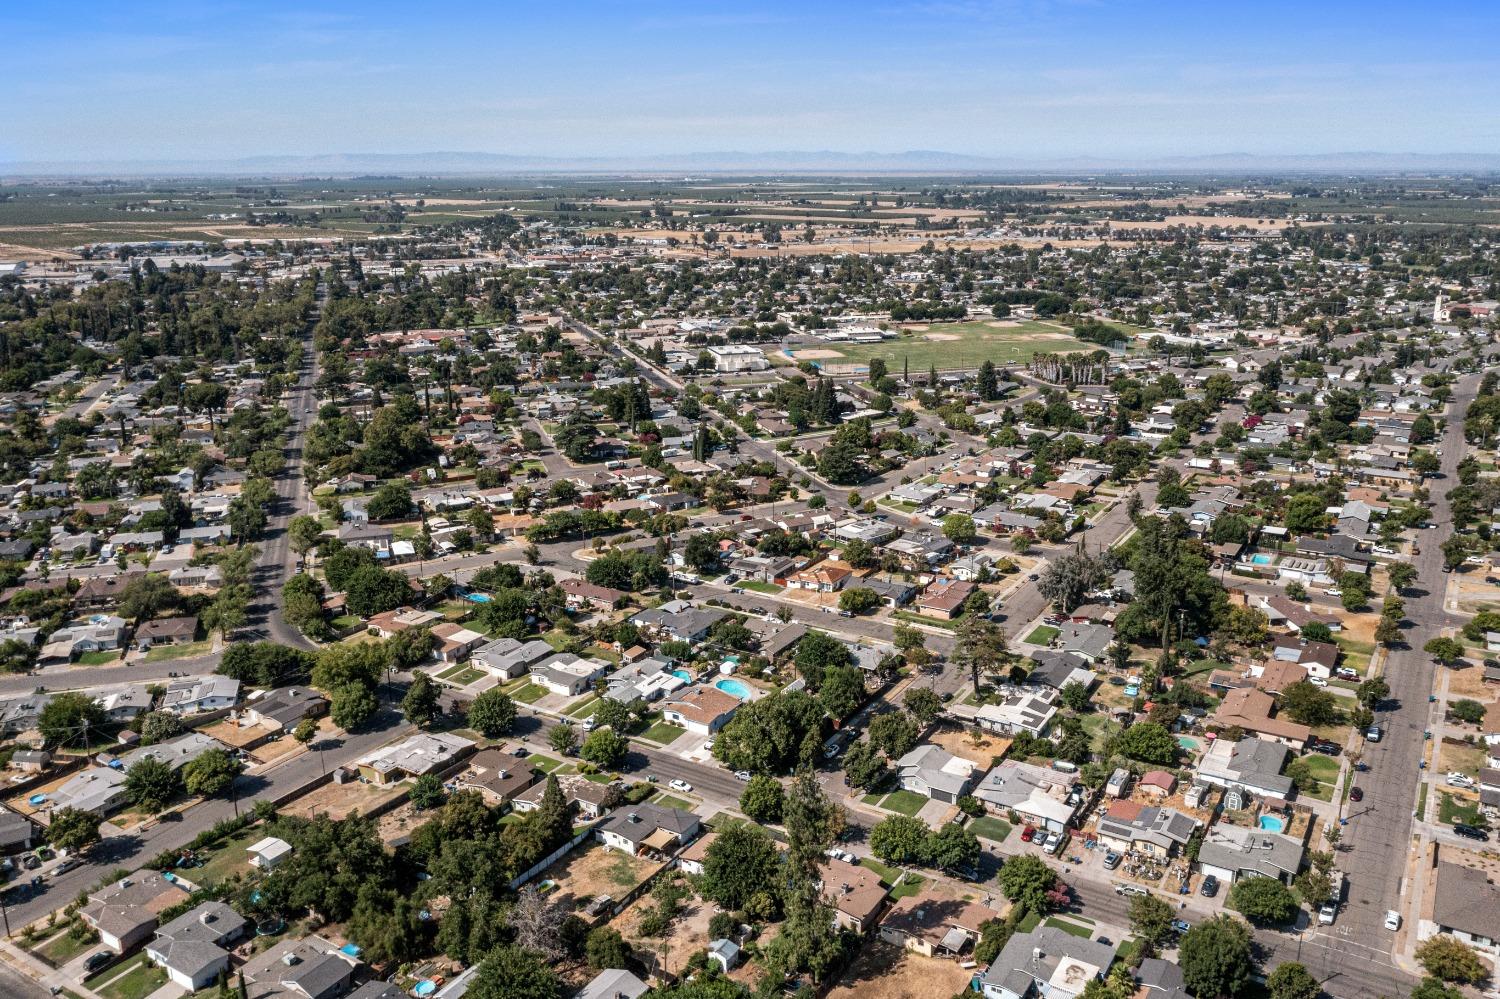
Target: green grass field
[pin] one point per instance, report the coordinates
(990, 828)
(140, 980)
(1041, 635)
(529, 694)
(663, 733)
(959, 345)
(757, 586)
(1452, 808)
(905, 802)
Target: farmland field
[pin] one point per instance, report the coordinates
(954, 345)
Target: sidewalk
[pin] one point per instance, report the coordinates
(41, 973)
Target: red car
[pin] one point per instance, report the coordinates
(1355, 794)
(1028, 834)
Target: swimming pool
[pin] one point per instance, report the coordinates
(1271, 823)
(478, 598)
(683, 675)
(1188, 743)
(424, 988)
(1260, 560)
(734, 687)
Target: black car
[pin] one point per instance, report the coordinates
(98, 962)
(1210, 887)
(1326, 748)
(1471, 832)
(1356, 794)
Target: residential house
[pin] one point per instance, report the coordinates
(1283, 612)
(581, 594)
(644, 680)
(1465, 905)
(267, 852)
(423, 753)
(124, 912)
(509, 658)
(1041, 796)
(646, 826)
(1047, 962)
(827, 576)
(679, 620)
(391, 623)
(935, 773)
(299, 968)
(1157, 832)
(453, 643)
(854, 893)
(285, 708)
(1029, 710)
(701, 709)
(944, 598)
(690, 861)
(198, 694)
(568, 675)
(932, 924)
(166, 631)
(1316, 658)
(16, 831)
(1253, 711)
(614, 983)
(587, 798)
(191, 947)
(1232, 852)
(100, 790)
(498, 776)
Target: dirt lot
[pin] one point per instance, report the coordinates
(688, 934)
(339, 800)
(1469, 682)
(591, 870)
(885, 971)
(958, 742)
(398, 823)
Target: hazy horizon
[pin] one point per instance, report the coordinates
(1032, 81)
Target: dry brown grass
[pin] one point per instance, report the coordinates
(885, 971)
(338, 801)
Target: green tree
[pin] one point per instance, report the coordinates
(816, 652)
(1265, 901)
(351, 705)
(304, 533)
(842, 690)
(1215, 958)
(563, 739)
(900, 839)
(772, 734)
(1402, 575)
(865, 766)
(952, 847)
(858, 599)
(764, 799)
(1026, 880)
(73, 830)
(605, 748)
(1451, 959)
(1150, 918)
(147, 596)
(210, 773)
(959, 528)
(1147, 742)
(606, 949)
(1309, 704)
(741, 861)
(420, 705)
(1372, 691)
(152, 783)
(492, 714)
(427, 792)
(923, 704)
(1444, 650)
(1433, 988)
(1292, 981)
(71, 719)
(894, 733)
(513, 973)
(159, 726)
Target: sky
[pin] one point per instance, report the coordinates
(88, 81)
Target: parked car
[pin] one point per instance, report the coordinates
(98, 962)
(1356, 794)
(1326, 913)
(1392, 919)
(1317, 681)
(1181, 925)
(1130, 890)
(1470, 832)
(678, 784)
(1210, 887)
(1111, 860)
(742, 775)
(1028, 834)
(1345, 673)
(1373, 733)
(1456, 779)
(1053, 843)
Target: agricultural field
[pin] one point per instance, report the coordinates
(950, 346)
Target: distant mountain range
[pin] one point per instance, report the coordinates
(737, 162)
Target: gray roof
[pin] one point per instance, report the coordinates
(614, 983)
(1031, 958)
(1250, 851)
(1465, 900)
(926, 763)
(637, 822)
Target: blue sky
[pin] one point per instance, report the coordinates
(1029, 78)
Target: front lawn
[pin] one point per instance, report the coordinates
(663, 733)
(990, 828)
(584, 707)
(887, 873)
(905, 802)
(462, 676)
(545, 764)
(140, 980)
(1452, 808)
(912, 884)
(64, 947)
(164, 653)
(757, 586)
(98, 658)
(1042, 635)
(668, 801)
(529, 694)
(1071, 928)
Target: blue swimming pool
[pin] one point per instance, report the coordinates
(424, 988)
(478, 598)
(1271, 823)
(1260, 559)
(734, 687)
(1187, 742)
(683, 675)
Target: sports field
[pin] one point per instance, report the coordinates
(952, 345)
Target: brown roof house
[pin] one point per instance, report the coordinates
(932, 925)
(583, 594)
(702, 710)
(1253, 711)
(124, 912)
(944, 598)
(498, 776)
(166, 631)
(854, 893)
